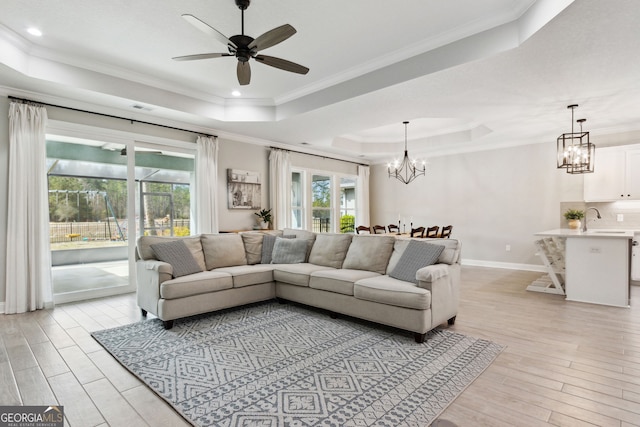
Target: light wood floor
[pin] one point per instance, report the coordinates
(565, 364)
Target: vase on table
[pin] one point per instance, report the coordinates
(574, 224)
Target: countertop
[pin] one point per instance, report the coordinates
(567, 232)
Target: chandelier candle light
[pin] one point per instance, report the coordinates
(575, 152)
(405, 171)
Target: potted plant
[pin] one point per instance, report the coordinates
(264, 217)
(573, 216)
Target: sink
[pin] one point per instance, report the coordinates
(606, 232)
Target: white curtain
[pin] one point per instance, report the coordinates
(280, 188)
(362, 196)
(206, 183)
(28, 273)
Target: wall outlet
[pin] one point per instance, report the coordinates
(594, 250)
(620, 217)
(508, 248)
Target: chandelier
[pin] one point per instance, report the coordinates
(405, 171)
(575, 152)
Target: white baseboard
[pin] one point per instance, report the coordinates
(505, 265)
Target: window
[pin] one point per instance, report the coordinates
(347, 205)
(323, 202)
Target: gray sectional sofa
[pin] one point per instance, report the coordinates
(379, 278)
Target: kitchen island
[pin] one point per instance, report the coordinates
(597, 265)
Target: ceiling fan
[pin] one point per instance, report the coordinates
(245, 47)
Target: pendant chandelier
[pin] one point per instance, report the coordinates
(575, 152)
(405, 171)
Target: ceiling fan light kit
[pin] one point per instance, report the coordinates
(244, 47)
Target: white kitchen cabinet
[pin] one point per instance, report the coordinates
(616, 175)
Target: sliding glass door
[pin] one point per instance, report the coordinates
(101, 198)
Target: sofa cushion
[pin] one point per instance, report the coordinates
(339, 281)
(289, 251)
(369, 253)
(417, 255)
(178, 255)
(450, 255)
(268, 242)
(296, 274)
(144, 251)
(387, 290)
(309, 236)
(223, 250)
(398, 249)
(247, 275)
(252, 246)
(195, 284)
(330, 249)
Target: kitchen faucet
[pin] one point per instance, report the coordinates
(584, 225)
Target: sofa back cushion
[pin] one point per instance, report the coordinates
(330, 250)
(223, 250)
(369, 253)
(144, 251)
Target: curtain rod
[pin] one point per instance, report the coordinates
(322, 156)
(110, 116)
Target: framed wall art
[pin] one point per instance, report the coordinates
(243, 189)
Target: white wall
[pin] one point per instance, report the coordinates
(492, 198)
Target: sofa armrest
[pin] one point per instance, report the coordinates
(443, 281)
(149, 276)
(431, 273)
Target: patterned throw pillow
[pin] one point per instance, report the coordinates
(289, 251)
(267, 246)
(178, 255)
(416, 256)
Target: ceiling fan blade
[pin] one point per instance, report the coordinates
(244, 73)
(272, 37)
(200, 56)
(208, 29)
(283, 64)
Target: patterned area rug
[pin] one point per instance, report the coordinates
(270, 365)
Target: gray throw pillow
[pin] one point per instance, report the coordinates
(416, 256)
(178, 255)
(289, 251)
(267, 246)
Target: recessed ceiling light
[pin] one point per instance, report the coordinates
(34, 31)
(236, 93)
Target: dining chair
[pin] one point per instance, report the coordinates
(417, 232)
(393, 228)
(380, 228)
(446, 231)
(432, 231)
(363, 228)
